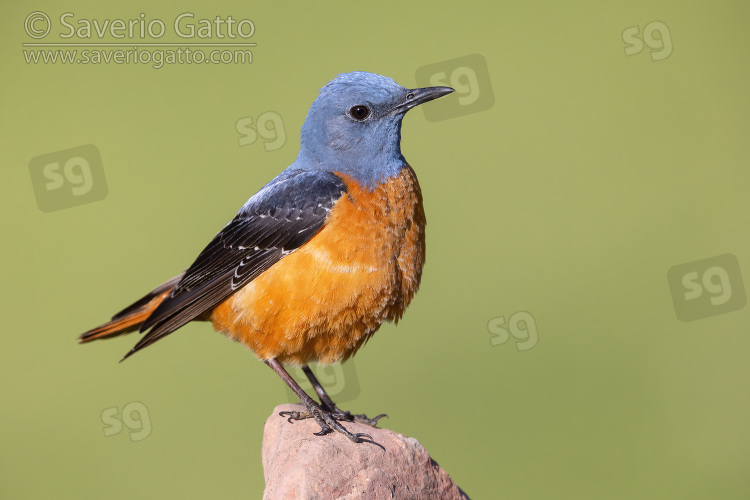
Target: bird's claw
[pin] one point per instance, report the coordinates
(372, 422)
(359, 418)
(295, 415)
(329, 421)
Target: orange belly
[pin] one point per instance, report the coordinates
(324, 300)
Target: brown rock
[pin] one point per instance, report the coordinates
(298, 464)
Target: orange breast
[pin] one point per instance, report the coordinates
(324, 300)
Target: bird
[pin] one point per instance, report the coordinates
(319, 258)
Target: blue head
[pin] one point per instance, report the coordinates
(354, 126)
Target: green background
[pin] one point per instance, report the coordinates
(592, 175)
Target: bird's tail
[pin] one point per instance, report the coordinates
(132, 317)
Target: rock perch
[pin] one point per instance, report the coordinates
(298, 464)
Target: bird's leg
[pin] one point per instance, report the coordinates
(325, 399)
(327, 403)
(323, 417)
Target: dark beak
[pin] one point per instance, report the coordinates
(415, 97)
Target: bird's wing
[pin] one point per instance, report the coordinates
(278, 219)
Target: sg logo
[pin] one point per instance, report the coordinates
(471, 79)
(707, 287)
(134, 416)
(521, 326)
(661, 45)
(339, 380)
(68, 178)
(269, 126)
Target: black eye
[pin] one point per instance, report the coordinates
(359, 112)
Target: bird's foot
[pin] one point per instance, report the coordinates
(359, 418)
(329, 421)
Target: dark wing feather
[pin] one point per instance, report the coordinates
(274, 222)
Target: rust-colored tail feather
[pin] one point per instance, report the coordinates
(125, 324)
(131, 318)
